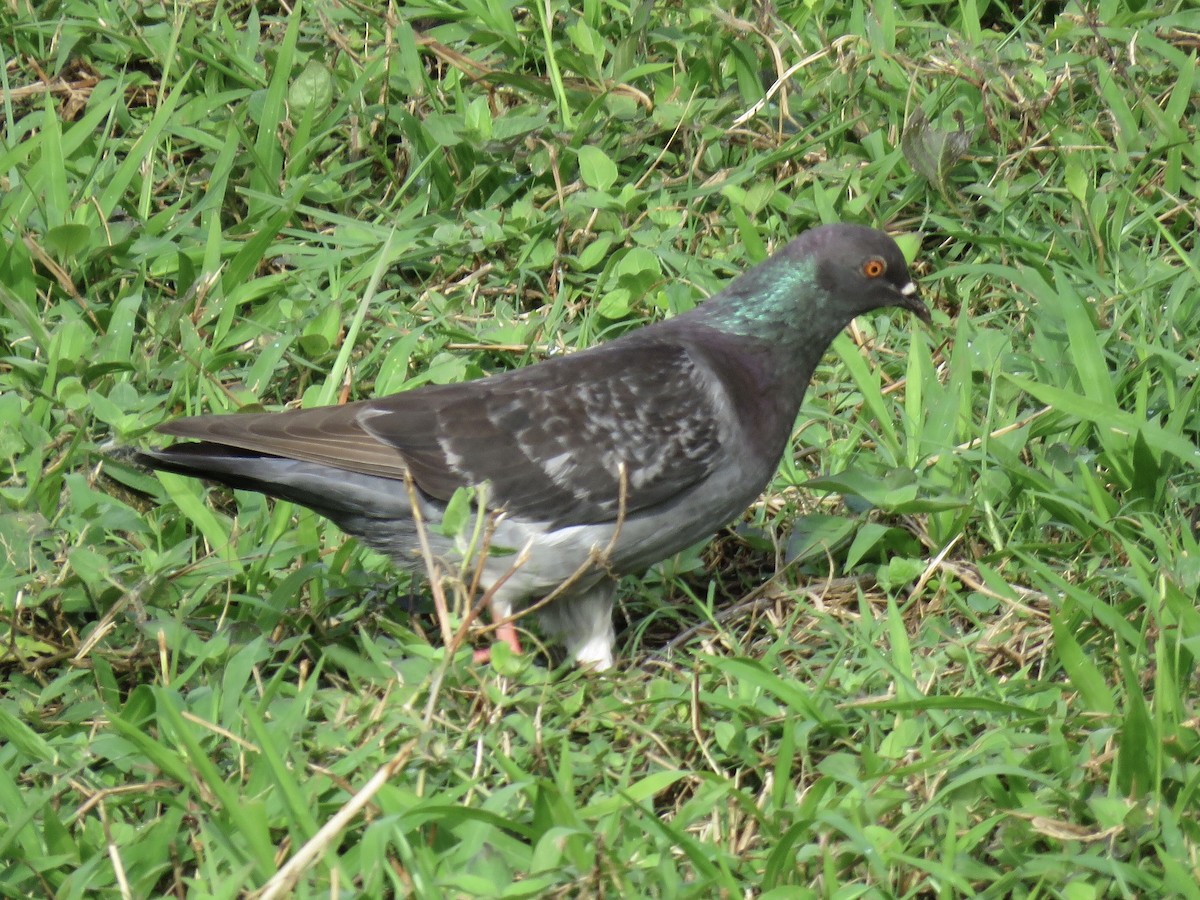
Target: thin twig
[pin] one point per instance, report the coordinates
(435, 581)
(282, 882)
(594, 558)
(999, 432)
(792, 70)
(752, 602)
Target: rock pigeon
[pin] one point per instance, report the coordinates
(596, 464)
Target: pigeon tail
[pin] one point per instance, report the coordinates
(345, 497)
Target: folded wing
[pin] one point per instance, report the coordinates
(550, 440)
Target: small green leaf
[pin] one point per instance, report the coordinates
(458, 512)
(596, 169)
(909, 244)
(1076, 179)
(899, 571)
(615, 304)
(595, 252)
(71, 393)
(478, 118)
(313, 345)
(639, 261)
(816, 535)
(68, 240)
(896, 490)
(311, 90)
(587, 41)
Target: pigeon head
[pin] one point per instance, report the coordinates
(861, 268)
(810, 290)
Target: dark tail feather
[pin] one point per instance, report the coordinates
(345, 497)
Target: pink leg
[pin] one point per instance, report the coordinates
(506, 633)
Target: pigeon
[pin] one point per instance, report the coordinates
(594, 464)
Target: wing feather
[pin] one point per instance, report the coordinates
(549, 439)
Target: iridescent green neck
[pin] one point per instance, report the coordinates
(773, 303)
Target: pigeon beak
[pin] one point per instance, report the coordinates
(910, 299)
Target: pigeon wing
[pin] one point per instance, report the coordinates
(550, 439)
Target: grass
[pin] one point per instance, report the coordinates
(952, 652)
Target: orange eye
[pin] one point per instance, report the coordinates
(874, 267)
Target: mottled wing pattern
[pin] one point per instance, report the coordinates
(550, 440)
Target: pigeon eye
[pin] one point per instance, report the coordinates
(874, 267)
